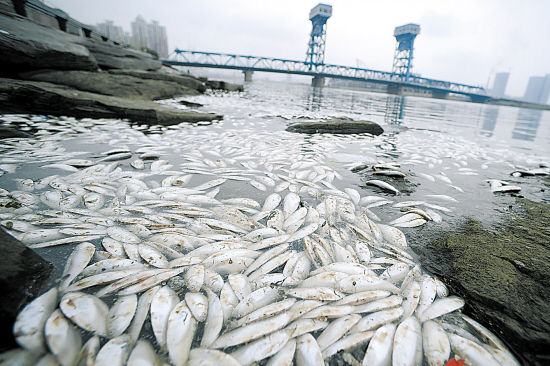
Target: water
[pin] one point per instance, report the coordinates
(447, 149)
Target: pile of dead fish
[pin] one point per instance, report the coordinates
(171, 266)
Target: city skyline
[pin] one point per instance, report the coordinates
(143, 34)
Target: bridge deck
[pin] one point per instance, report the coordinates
(277, 65)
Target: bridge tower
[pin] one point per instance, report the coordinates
(316, 48)
(402, 60)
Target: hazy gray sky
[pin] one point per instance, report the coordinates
(464, 41)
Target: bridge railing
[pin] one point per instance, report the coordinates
(254, 63)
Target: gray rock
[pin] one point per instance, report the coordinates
(22, 272)
(503, 274)
(337, 126)
(28, 46)
(110, 56)
(118, 85)
(17, 96)
(181, 79)
(222, 85)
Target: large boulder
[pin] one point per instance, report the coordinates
(22, 273)
(503, 274)
(17, 96)
(111, 56)
(25, 45)
(119, 85)
(337, 126)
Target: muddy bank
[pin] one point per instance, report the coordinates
(503, 273)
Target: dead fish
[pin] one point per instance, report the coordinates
(383, 185)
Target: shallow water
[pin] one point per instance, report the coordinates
(447, 149)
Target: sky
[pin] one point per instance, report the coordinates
(464, 41)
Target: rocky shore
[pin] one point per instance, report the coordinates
(48, 71)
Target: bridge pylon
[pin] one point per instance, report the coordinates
(315, 55)
(402, 60)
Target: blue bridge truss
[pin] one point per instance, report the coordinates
(278, 65)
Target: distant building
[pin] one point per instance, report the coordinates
(538, 89)
(151, 35)
(156, 38)
(499, 84)
(112, 31)
(139, 32)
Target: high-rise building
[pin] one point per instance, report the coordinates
(139, 32)
(150, 35)
(538, 89)
(112, 31)
(156, 38)
(144, 35)
(499, 84)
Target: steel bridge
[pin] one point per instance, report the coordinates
(249, 64)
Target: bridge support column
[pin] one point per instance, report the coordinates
(479, 98)
(248, 75)
(318, 82)
(440, 94)
(394, 89)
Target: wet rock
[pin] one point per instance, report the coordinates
(190, 104)
(174, 76)
(503, 275)
(110, 56)
(118, 85)
(222, 85)
(22, 273)
(36, 97)
(27, 46)
(337, 126)
(10, 132)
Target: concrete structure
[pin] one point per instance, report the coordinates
(402, 60)
(538, 89)
(499, 84)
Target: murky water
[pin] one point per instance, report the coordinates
(447, 149)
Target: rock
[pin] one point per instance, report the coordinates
(110, 56)
(337, 126)
(10, 132)
(28, 46)
(118, 85)
(503, 275)
(36, 97)
(222, 85)
(181, 79)
(22, 272)
(190, 104)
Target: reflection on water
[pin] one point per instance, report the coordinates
(527, 124)
(314, 99)
(394, 109)
(490, 121)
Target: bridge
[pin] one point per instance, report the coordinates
(397, 81)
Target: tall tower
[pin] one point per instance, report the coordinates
(316, 48)
(402, 61)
